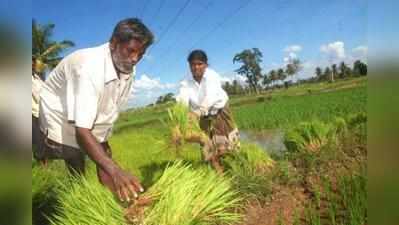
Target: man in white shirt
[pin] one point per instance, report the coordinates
(204, 94)
(81, 100)
(37, 84)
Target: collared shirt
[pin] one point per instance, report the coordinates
(83, 91)
(37, 84)
(203, 98)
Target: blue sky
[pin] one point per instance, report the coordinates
(317, 32)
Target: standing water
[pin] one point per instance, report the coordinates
(272, 140)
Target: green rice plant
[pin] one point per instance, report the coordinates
(184, 126)
(332, 201)
(296, 219)
(251, 169)
(186, 196)
(45, 182)
(353, 191)
(280, 220)
(312, 215)
(347, 205)
(288, 111)
(84, 201)
(178, 116)
(309, 136)
(355, 119)
(341, 127)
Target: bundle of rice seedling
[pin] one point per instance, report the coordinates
(340, 125)
(356, 119)
(309, 136)
(186, 197)
(184, 127)
(86, 202)
(251, 169)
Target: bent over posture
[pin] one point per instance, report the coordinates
(81, 99)
(207, 100)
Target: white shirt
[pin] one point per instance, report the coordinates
(83, 91)
(37, 84)
(203, 98)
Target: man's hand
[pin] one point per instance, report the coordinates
(126, 185)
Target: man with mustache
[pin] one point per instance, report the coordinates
(81, 99)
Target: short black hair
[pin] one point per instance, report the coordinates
(198, 54)
(132, 28)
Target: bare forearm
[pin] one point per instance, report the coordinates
(95, 150)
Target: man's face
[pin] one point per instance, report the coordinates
(198, 69)
(126, 54)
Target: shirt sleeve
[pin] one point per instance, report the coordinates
(86, 102)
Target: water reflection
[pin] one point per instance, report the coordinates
(272, 141)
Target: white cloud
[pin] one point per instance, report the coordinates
(335, 51)
(293, 48)
(147, 89)
(360, 52)
(147, 83)
(291, 56)
(291, 53)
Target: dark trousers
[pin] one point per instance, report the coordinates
(46, 149)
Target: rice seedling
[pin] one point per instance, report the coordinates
(309, 136)
(184, 127)
(285, 173)
(345, 205)
(288, 111)
(85, 201)
(356, 119)
(251, 169)
(312, 215)
(45, 182)
(187, 197)
(354, 197)
(183, 195)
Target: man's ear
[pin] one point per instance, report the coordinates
(112, 44)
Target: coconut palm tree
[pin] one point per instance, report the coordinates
(46, 52)
(273, 76)
(333, 71)
(281, 75)
(319, 73)
(293, 68)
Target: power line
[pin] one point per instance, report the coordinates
(158, 10)
(218, 25)
(222, 23)
(167, 52)
(171, 23)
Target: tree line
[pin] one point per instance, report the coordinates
(257, 81)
